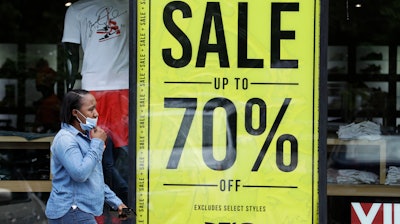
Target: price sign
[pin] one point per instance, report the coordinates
(227, 111)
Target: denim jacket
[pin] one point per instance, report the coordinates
(77, 175)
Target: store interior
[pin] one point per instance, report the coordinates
(363, 106)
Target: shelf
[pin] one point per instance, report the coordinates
(376, 66)
(363, 77)
(44, 138)
(376, 190)
(365, 190)
(26, 185)
(19, 143)
(381, 146)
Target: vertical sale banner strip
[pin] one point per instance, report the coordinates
(227, 111)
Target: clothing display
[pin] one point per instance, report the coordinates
(351, 176)
(363, 130)
(113, 107)
(393, 176)
(102, 29)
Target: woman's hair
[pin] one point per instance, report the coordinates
(72, 100)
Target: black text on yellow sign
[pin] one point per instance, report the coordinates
(213, 16)
(190, 105)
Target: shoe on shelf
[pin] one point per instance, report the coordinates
(337, 70)
(371, 69)
(372, 56)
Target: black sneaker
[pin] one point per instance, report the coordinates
(371, 69)
(373, 56)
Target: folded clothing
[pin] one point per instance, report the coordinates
(363, 130)
(393, 176)
(351, 176)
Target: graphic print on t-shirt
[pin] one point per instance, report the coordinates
(107, 25)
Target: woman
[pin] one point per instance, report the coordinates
(78, 189)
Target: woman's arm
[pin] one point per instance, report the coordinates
(79, 166)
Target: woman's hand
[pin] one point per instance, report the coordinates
(98, 132)
(120, 214)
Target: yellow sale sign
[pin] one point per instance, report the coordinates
(227, 111)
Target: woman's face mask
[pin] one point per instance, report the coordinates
(90, 122)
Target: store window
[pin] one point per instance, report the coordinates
(32, 85)
(363, 112)
(363, 106)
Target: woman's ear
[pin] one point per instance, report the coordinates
(74, 113)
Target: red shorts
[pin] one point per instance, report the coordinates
(113, 108)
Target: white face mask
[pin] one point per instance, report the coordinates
(90, 122)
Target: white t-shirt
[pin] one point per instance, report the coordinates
(102, 29)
